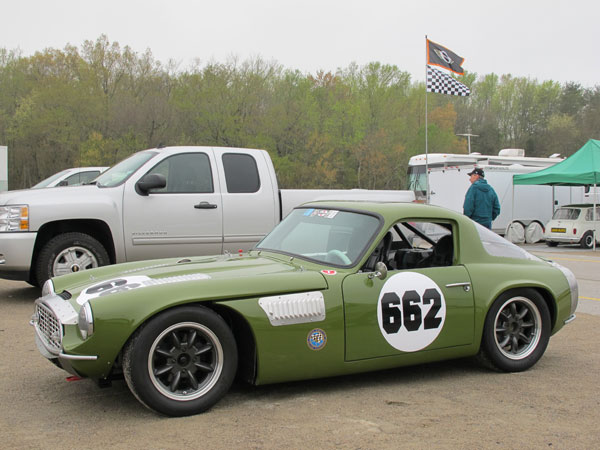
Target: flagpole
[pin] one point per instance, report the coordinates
(426, 143)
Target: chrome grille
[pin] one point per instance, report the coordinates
(48, 325)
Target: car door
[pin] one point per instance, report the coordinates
(411, 309)
(182, 219)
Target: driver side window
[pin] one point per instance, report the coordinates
(415, 245)
(185, 173)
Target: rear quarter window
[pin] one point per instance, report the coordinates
(241, 173)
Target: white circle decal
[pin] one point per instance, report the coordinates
(411, 311)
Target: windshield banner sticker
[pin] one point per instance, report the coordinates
(324, 213)
(411, 311)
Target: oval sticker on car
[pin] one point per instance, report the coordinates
(411, 311)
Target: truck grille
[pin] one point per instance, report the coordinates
(48, 325)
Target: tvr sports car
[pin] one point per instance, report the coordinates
(336, 288)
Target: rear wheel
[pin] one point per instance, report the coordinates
(182, 362)
(516, 331)
(587, 241)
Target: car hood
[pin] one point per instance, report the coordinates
(198, 278)
(50, 194)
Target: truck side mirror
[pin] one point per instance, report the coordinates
(150, 181)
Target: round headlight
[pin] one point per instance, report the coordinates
(86, 321)
(48, 288)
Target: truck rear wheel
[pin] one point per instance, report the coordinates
(68, 253)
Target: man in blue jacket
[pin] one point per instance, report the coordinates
(481, 202)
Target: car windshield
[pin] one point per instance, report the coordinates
(47, 181)
(119, 173)
(327, 236)
(566, 214)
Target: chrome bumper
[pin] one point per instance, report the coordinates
(51, 315)
(570, 319)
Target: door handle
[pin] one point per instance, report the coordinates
(466, 286)
(205, 205)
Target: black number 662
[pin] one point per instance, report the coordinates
(394, 309)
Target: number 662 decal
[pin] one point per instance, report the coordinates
(411, 311)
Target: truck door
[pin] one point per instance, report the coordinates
(185, 218)
(249, 197)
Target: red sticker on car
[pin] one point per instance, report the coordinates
(328, 272)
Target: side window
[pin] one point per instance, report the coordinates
(241, 173)
(85, 177)
(185, 173)
(71, 180)
(589, 216)
(415, 245)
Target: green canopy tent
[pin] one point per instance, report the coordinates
(579, 169)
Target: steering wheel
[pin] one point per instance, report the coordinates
(332, 255)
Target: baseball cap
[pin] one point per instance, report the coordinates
(477, 171)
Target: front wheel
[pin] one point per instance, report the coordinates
(68, 253)
(516, 330)
(182, 362)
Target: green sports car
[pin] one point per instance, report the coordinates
(336, 288)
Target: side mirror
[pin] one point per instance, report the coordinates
(63, 183)
(380, 271)
(150, 181)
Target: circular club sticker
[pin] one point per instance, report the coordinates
(316, 339)
(411, 311)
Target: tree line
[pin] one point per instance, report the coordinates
(354, 127)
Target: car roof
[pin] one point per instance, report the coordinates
(387, 208)
(581, 205)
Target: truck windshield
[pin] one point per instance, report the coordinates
(47, 181)
(327, 236)
(417, 181)
(119, 173)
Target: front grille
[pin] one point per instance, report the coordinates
(49, 326)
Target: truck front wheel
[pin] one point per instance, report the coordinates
(68, 253)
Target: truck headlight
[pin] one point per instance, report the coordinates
(85, 321)
(14, 218)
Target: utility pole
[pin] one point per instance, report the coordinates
(469, 135)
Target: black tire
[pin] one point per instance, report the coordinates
(587, 240)
(516, 330)
(182, 362)
(551, 243)
(67, 253)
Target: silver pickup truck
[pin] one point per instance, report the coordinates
(162, 202)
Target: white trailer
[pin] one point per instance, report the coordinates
(3, 168)
(524, 209)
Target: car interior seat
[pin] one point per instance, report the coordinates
(441, 255)
(381, 253)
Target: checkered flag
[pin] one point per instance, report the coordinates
(440, 83)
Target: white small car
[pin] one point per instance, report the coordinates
(71, 177)
(573, 224)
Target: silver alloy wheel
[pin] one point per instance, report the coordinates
(185, 361)
(518, 328)
(589, 240)
(73, 259)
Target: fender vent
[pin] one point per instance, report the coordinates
(291, 309)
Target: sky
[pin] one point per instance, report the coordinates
(538, 39)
